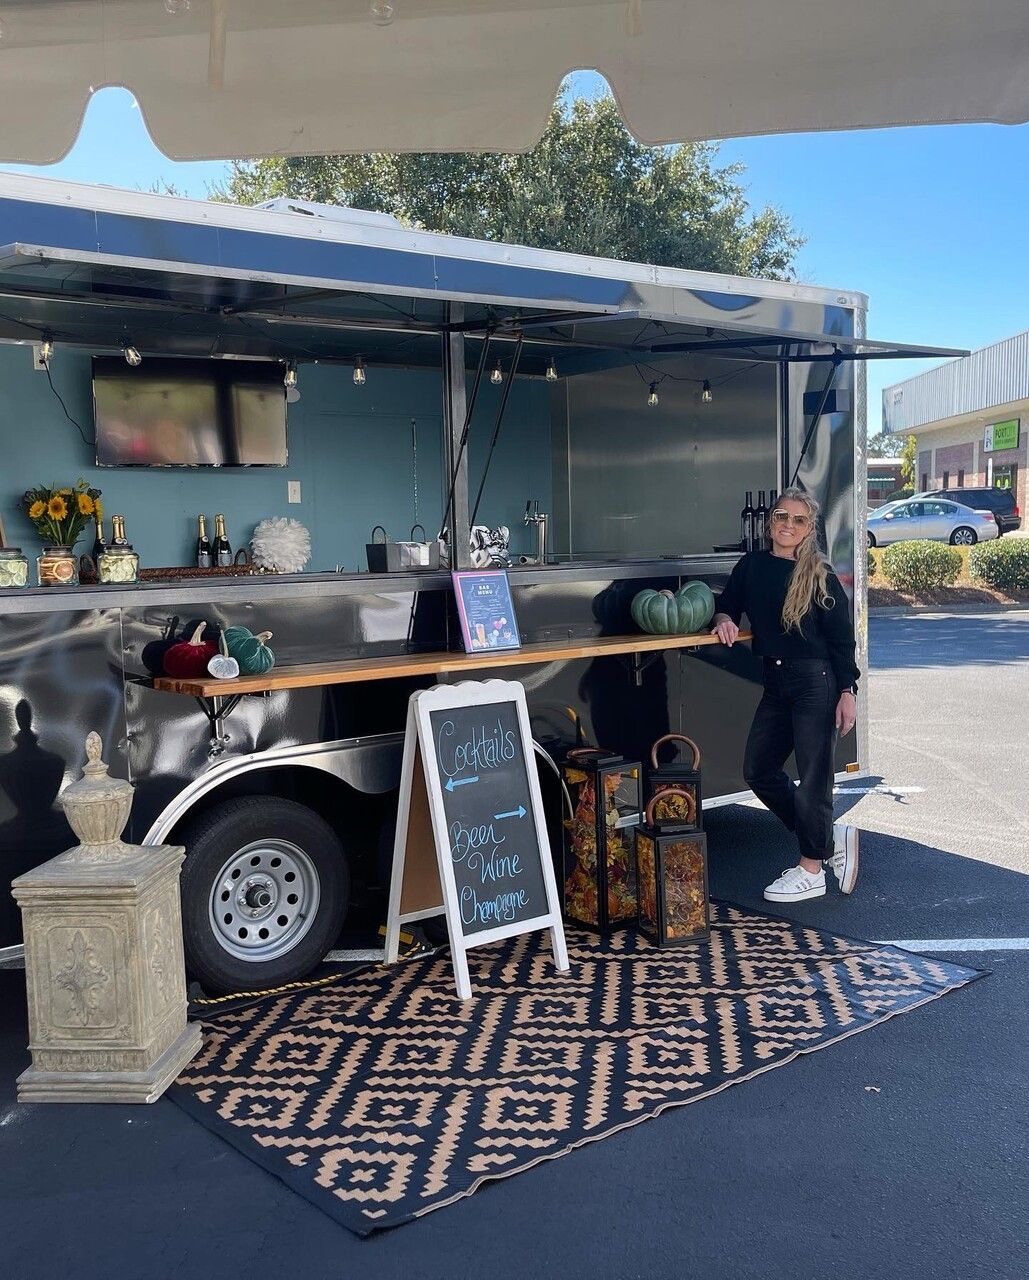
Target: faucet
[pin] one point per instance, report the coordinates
(533, 515)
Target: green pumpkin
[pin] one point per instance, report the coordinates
(250, 651)
(679, 613)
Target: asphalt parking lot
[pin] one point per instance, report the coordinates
(900, 1152)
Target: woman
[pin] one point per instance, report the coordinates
(800, 619)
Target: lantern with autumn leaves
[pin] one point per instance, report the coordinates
(680, 779)
(671, 875)
(599, 863)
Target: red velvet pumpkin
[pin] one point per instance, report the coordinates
(190, 657)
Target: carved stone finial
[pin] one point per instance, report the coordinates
(94, 746)
(97, 806)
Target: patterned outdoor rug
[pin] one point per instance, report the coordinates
(381, 1097)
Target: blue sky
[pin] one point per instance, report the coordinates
(931, 222)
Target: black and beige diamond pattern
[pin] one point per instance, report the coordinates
(382, 1096)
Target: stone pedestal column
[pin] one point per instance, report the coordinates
(103, 957)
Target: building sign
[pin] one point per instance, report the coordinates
(1001, 435)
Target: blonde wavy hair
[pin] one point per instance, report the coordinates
(810, 580)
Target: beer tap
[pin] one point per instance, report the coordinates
(534, 516)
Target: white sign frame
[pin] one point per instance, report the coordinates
(420, 778)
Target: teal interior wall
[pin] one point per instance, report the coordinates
(363, 455)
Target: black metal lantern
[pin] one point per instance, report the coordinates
(671, 878)
(599, 873)
(684, 802)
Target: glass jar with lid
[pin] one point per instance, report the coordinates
(14, 568)
(118, 564)
(58, 567)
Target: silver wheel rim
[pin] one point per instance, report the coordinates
(963, 538)
(264, 900)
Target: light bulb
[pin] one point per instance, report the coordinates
(46, 350)
(382, 13)
(552, 372)
(497, 376)
(652, 399)
(705, 393)
(176, 6)
(290, 378)
(360, 377)
(131, 354)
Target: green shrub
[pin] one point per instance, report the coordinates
(871, 564)
(1002, 564)
(921, 565)
(899, 494)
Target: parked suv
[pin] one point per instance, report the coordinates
(1000, 501)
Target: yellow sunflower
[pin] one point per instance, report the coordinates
(57, 508)
(85, 504)
(65, 493)
(37, 509)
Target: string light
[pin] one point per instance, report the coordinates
(360, 377)
(290, 378)
(706, 395)
(652, 399)
(176, 6)
(131, 354)
(551, 372)
(382, 13)
(46, 350)
(497, 376)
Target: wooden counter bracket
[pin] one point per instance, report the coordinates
(218, 698)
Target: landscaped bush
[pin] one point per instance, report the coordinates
(921, 565)
(899, 494)
(871, 564)
(1003, 564)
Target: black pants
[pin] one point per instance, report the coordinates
(796, 713)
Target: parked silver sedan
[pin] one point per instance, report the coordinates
(931, 518)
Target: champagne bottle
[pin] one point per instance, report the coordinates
(205, 556)
(222, 550)
(99, 543)
(118, 538)
(747, 523)
(760, 519)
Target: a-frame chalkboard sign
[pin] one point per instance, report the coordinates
(471, 834)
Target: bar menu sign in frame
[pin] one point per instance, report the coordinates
(486, 611)
(471, 837)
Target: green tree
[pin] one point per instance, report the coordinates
(586, 187)
(883, 445)
(909, 461)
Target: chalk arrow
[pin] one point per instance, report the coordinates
(460, 782)
(514, 813)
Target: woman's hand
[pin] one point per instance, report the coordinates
(725, 629)
(846, 712)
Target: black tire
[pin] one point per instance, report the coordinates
(871, 539)
(211, 841)
(970, 541)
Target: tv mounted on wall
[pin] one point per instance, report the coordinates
(189, 413)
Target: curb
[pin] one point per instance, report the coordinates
(904, 610)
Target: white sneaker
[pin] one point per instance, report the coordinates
(845, 855)
(795, 885)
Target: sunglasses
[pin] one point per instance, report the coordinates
(784, 517)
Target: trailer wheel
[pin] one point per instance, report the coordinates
(265, 889)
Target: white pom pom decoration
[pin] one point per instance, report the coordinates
(280, 545)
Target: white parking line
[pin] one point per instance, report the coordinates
(956, 944)
(881, 789)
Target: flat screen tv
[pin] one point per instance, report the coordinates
(189, 413)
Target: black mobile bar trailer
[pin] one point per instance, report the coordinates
(642, 495)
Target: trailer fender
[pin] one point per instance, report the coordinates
(370, 765)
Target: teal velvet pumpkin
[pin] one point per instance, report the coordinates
(250, 651)
(678, 613)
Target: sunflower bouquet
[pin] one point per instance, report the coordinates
(60, 515)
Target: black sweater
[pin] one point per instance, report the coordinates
(757, 587)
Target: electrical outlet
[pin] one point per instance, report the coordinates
(292, 490)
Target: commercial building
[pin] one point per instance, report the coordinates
(969, 417)
(883, 478)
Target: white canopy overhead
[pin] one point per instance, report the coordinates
(224, 78)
